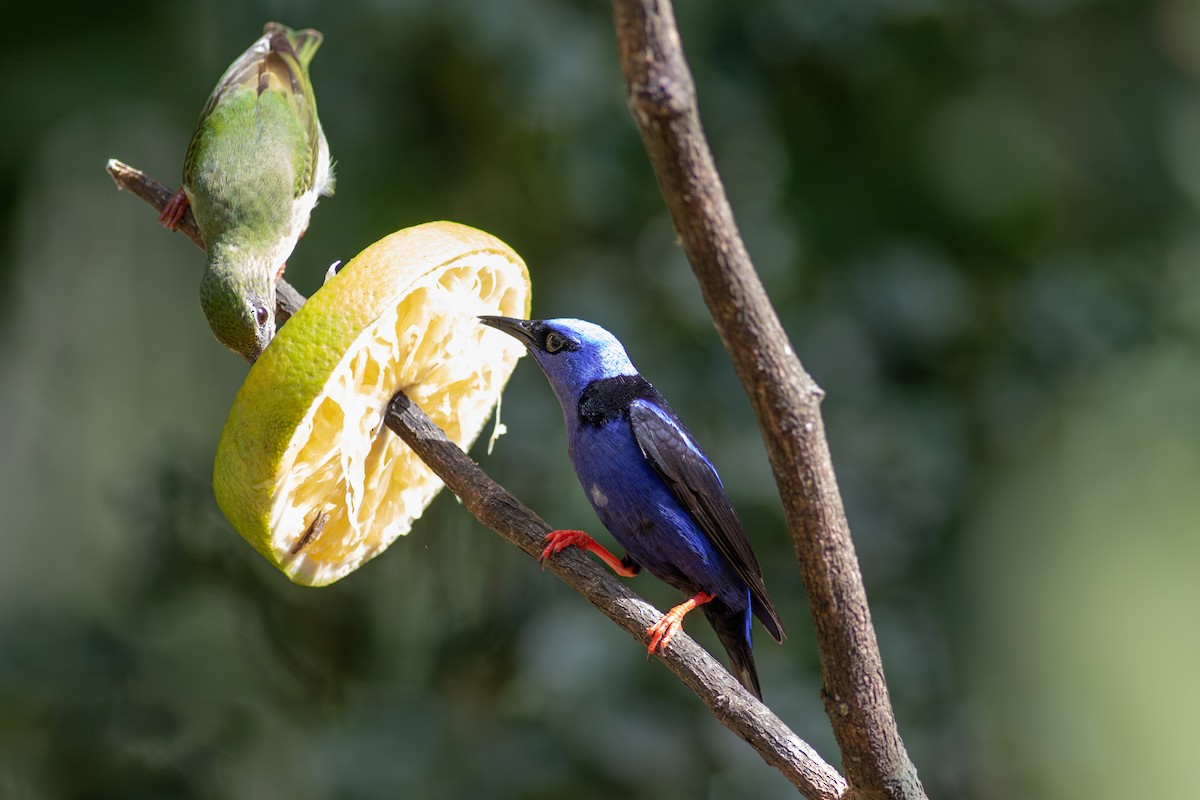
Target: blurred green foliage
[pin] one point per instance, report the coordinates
(978, 222)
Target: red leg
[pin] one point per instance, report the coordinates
(173, 212)
(279, 272)
(664, 630)
(557, 541)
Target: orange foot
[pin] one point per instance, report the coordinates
(279, 272)
(664, 630)
(557, 541)
(174, 210)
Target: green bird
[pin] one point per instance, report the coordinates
(253, 172)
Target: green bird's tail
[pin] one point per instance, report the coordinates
(303, 43)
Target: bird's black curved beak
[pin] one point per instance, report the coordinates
(521, 329)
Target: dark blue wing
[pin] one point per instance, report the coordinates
(678, 459)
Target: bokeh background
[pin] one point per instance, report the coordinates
(979, 223)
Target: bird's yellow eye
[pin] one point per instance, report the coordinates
(554, 342)
(261, 315)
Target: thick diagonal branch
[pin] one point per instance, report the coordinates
(498, 510)
(786, 400)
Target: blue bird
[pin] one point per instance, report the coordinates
(651, 485)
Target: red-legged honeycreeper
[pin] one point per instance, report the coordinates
(253, 171)
(651, 485)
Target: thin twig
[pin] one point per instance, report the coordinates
(498, 510)
(311, 533)
(662, 98)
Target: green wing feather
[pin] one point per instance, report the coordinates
(277, 62)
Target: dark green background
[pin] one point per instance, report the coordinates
(978, 222)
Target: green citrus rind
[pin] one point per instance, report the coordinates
(305, 436)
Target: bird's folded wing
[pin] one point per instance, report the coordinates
(673, 453)
(289, 72)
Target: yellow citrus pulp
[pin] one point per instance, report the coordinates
(306, 471)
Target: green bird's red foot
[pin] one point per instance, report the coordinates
(173, 213)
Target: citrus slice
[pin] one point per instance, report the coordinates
(306, 471)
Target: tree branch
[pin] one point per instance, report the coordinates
(497, 509)
(786, 400)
